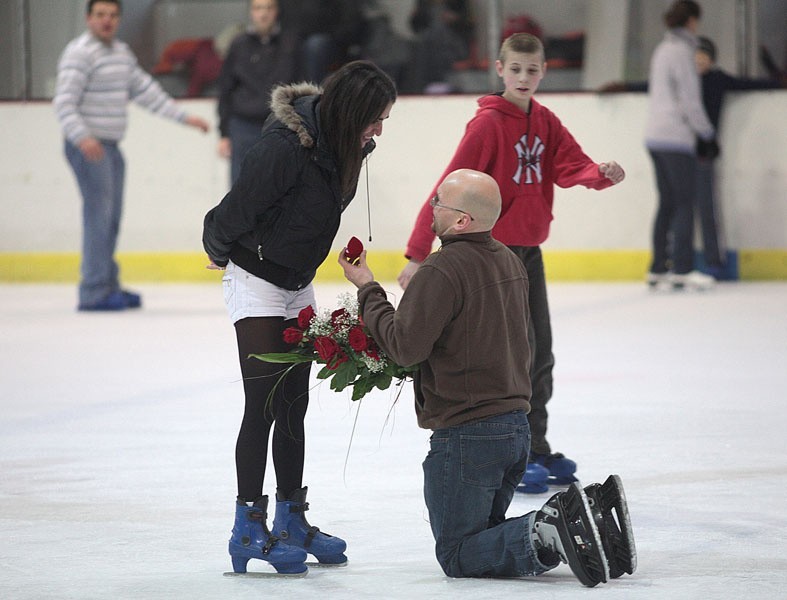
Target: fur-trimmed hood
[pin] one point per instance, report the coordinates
(283, 108)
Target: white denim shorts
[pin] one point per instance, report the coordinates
(247, 295)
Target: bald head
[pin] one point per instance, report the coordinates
(475, 193)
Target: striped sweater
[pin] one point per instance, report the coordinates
(95, 82)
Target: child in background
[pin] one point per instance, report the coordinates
(528, 151)
(715, 84)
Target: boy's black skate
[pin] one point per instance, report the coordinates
(565, 525)
(611, 513)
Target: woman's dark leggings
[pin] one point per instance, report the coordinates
(270, 399)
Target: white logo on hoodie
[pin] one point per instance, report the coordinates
(529, 160)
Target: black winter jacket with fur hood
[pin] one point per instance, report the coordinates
(279, 220)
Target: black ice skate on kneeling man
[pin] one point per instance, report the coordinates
(565, 526)
(610, 511)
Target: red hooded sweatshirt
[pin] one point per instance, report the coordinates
(527, 155)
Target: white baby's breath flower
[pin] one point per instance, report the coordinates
(375, 366)
(349, 302)
(321, 324)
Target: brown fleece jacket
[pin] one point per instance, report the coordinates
(463, 319)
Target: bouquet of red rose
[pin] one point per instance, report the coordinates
(340, 341)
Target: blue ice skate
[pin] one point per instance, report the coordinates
(252, 539)
(561, 469)
(534, 481)
(291, 526)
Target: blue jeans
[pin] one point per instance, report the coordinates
(470, 475)
(676, 179)
(318, 52)
(243, 135)
(101, 186)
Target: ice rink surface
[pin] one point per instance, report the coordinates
(117, 435)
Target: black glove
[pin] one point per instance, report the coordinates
(707, 149)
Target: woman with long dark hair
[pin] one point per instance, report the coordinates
(269, 234)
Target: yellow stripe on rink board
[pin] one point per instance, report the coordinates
(143, 266)
(596, 265)
(36, 267)
(757, 265)
(174, 267)
(160, 267)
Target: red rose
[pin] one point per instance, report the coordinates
(326, 347)
(305, 317)
(338, 316)
(358, 339)
(338, 358)
(292, 335)
(371, 352)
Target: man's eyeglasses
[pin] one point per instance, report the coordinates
(435, 201)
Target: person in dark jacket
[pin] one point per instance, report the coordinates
(444, 34)
(715, 85)
(259, 59)
(464, 319)
(269, 234)
(328, 29)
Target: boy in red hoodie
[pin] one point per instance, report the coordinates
(527, 150)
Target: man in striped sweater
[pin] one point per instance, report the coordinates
(97, 76)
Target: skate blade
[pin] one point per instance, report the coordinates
(627, 557)
(266, 575)
(594, 569)
(532, 489)
(561, 481)
(320, 565)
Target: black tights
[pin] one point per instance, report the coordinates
(286, 407)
